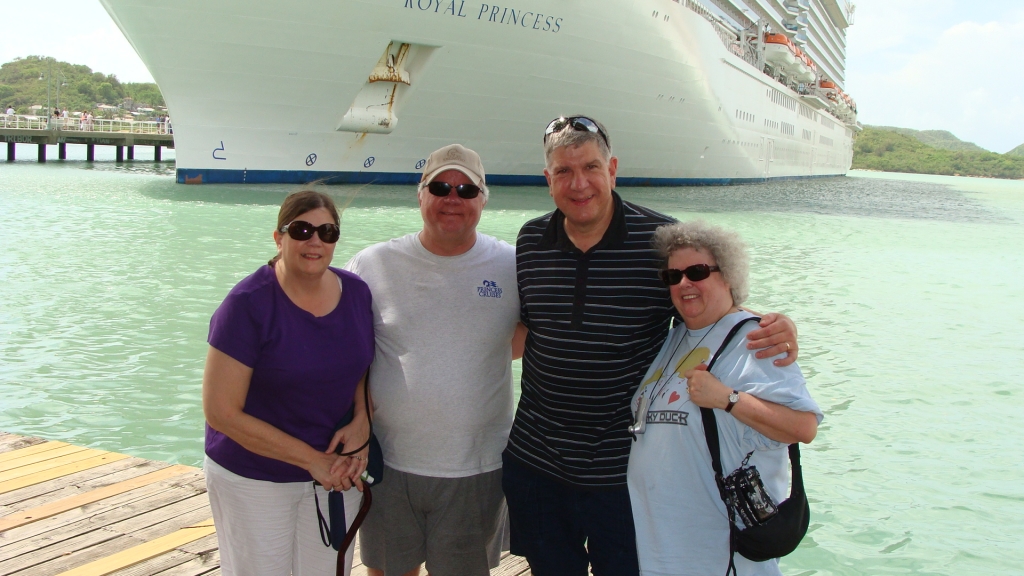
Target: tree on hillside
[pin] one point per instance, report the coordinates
(891, 151)
(23, 84)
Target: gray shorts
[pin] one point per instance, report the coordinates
(458, 526)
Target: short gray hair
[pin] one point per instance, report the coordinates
(568, 137)
(727, 248)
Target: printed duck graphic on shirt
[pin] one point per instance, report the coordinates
(669, 395)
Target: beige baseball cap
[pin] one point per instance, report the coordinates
(455, 157)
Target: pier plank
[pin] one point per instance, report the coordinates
(191, 559)
(145, 551)
(38, 458)
(58, 471)
(70, 503)
(76, 523)
(512, 566)
(113, 514)
(107, 540)
(13, 442)
(198, 566)
(28, 469)
(78, 482)
(33, 449)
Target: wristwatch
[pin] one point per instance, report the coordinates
(734, 397)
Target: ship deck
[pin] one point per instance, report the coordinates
(70, 510)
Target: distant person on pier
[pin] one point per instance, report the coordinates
(597, 315)
(10, 110)
(445, 312)
(289, 350)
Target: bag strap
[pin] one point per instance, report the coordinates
(707, 417)
(350, 535)
(369, 419)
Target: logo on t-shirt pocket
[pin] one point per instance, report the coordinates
(489, 289)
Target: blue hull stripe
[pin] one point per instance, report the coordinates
(208, 176)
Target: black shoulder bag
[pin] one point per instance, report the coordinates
(340, 538)
(771, 531)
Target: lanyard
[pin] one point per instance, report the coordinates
(639, 425)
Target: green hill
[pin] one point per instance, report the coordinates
(942, 139)
(1018, 151)
(23, 84)
(891, 151)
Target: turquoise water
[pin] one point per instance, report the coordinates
(907, 291)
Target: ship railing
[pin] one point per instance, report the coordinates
(27, 122)
(725, 32)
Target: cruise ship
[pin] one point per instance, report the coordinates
(361, 91)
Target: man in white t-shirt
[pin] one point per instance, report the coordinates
(446, 310)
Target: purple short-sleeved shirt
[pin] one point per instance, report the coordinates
(304, 369)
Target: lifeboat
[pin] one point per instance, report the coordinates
(779, 51)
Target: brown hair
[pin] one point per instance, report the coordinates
(298, 203)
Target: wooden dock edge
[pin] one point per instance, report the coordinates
(75, 511)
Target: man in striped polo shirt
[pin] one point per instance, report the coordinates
(597, 314)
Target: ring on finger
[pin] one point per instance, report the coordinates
(787, 346)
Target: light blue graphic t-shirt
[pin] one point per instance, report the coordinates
(681, 523)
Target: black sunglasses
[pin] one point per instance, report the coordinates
(301, 230)
(695, 273)
(578, 123)
(465, 191)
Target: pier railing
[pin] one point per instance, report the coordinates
(26, 122)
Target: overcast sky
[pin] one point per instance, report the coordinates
(954, 65)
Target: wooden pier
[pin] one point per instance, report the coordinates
(73, 511)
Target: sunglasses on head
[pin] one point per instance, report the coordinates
(442, 189)
(695, 273)
(302, 230)
(578, 123)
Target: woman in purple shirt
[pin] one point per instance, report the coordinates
(289, 350)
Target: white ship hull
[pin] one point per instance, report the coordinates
(268, 91)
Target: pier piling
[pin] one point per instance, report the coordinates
(43, 132)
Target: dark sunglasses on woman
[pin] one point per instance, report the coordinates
(465, 191)
(302, 230)
(695, 273)
(577, 123)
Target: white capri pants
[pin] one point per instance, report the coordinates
(270, 528)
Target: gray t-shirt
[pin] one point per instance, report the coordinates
(441, 379)
(681, 522)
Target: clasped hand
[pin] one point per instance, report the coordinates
(338, 472)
